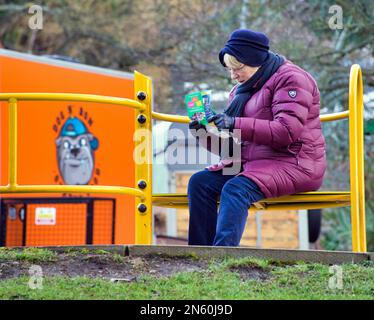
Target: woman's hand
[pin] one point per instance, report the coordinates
(194, 126)
(223, 121)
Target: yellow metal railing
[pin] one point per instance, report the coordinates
(144, 199)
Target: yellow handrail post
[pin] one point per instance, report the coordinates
(12, 143)
(360, 157)
(356, 155)
(143, 154)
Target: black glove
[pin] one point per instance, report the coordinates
(223, 121)
(195, 125)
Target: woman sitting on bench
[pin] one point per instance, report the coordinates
(276, 107)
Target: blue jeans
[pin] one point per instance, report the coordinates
(236, 195)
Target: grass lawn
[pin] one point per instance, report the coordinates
(89, 275)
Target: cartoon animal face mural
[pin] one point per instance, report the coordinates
(75, 152)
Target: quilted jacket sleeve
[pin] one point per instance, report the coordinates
(292, 99)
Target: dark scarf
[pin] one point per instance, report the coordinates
(246, 90)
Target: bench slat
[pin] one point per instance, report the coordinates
(305, 200)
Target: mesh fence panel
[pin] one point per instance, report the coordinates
(51, 222)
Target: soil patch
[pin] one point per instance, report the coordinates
(247, 272)
(104, 266)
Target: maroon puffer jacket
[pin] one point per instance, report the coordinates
(283, 149)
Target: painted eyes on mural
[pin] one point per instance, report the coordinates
(83, 142)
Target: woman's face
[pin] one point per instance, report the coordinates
(243, 73)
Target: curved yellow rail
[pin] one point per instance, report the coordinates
(334, 116)
(72, 97)
(185, 119)
(170, 117)
(356, 155)
(71, 189)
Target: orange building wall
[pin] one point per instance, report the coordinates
(37, 155)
